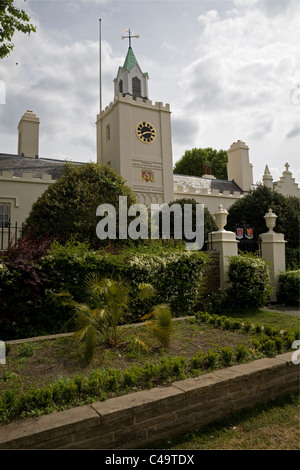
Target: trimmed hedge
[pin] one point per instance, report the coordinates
(292, 257)
(175, 274)
(250, 281)
(289, 287)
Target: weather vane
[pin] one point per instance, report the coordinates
(130, 35)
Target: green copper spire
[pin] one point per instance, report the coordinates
(130, 79)
(130, 60)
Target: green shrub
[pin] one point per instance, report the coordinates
(197, 360)
(226, 355)
(247, 326)
(241, 353)
(250, 281)
(269, 347)
(68, 207)
(292, 258)
(211, 358)
(176, 275)
(289, 287)
(278, 343)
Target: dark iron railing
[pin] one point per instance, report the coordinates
(9, 234)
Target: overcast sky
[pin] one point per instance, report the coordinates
(230, 70)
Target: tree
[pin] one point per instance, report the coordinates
(12, 19)
(68, 207)
(252, 208)
(193, 163)
(209, 221)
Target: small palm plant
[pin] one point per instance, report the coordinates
(107, 303)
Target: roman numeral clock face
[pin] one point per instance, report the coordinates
(145, 132)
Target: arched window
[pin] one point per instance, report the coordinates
(121, 86)
(136, 87)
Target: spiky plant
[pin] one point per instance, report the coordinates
(159, 323)
(107, 302)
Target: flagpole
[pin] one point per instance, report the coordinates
(100, 70)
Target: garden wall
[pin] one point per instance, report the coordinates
(142, 418)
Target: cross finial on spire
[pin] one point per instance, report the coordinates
(130, 35)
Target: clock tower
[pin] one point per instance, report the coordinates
(134, 136)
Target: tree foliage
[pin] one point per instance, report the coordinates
(193, 162)
(209, 221)
(12, 19)
(252, 208)
(250, 284)
(68, 207)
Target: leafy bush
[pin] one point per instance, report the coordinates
(226, 355)
(250, 281)
(269, 340)
(68, 207)
(288, 287)
(176, 276)
(211, 358)
(292, 258)
(254, 205)
(197, 360)
(174, 273)
(23, 289)
(241, 353)
(209, 221)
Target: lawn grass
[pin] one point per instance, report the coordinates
(273, 426)
(273, 318)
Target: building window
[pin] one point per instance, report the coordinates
(107, 132)
(4, 215)
(136, 87)
(121, 86)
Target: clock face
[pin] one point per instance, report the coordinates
(145, 132)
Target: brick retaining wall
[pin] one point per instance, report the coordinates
(142, 418)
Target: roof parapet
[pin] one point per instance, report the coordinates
(25, 177)
(134, 101)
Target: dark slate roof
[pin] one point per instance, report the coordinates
(19, 164)
(198, 182)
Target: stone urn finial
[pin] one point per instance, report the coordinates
(221, 217)
(270, 219)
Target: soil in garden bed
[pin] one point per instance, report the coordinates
(45, 361)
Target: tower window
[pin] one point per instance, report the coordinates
(136, 87)
(107, 132)
(121, 86)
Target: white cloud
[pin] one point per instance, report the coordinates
(246, 64)
(209, 17)
(228, 69)
(60, 83)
